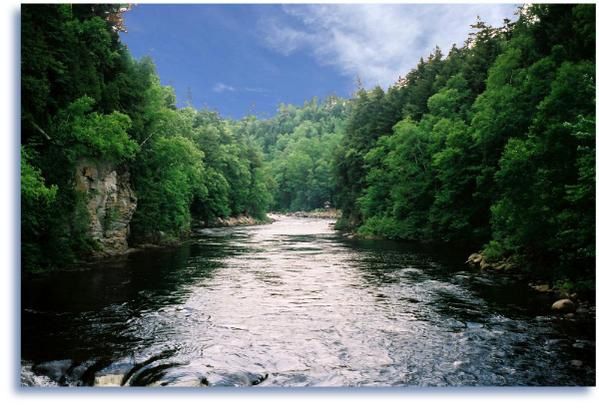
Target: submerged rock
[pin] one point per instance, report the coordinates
(564, 306)
(240, 379)
(113, 373)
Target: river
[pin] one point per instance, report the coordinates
(294, 303)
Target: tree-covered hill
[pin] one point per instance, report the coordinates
(492, 146)
(84, 98)
(299, 145)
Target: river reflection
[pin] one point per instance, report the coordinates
(295, 304)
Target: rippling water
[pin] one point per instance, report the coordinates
(295, 304)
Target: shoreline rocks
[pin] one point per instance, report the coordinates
(477, 260)
(543, 288)
(241, 220)
(563, 306)
(315, 214)
(565, 303)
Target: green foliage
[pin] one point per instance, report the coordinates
(494, 251)
(85, 97)
(82, 133)
(404, 160)
(215, 202)
(367, 120)
(193, 165)
(299, 143)
(383, 227)
(173, 175)
(493, 145)
(70, 57)
(454, 212)
(547, 177)
(36, 199)
(580, 286)
(33, 187)
(236, 163)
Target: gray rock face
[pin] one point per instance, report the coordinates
(110, 203)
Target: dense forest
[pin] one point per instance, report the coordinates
(492, 146)
(299, 144)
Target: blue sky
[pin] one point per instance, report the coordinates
(247, 59)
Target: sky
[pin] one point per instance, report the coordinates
(242, 59)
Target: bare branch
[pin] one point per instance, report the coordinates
(146, 139)
(39, 129)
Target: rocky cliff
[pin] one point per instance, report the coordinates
(110, 203)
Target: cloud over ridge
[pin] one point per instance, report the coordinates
(375, 42)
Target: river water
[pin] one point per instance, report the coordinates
(294, 303)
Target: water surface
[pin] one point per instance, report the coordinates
(295, 304)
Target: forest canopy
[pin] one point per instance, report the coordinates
(491, 145)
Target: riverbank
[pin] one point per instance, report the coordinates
(579, 289)
(160, 241)
(560, 287)
(231, 221)
(242, 220)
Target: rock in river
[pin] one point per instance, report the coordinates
(564, 306)
(109, 380)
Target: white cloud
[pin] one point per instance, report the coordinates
(286, 39)
(376, 42)
(222, 87)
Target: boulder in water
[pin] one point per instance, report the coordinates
(564, 306)
(112, 374)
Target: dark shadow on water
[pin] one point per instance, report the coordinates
(85, 313)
